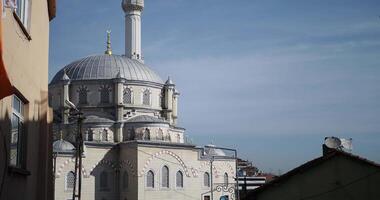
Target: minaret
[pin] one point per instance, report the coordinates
(65, 96)
(133, 10)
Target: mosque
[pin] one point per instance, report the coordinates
(134, 148)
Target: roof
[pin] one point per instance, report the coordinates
(313, 163)
(62, 146)
(51, 9)
(97, 119)
(146, 119)
(107, 67)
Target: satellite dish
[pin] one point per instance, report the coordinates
(333, 142)
(346, 143)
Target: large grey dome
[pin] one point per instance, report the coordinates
(107, 67)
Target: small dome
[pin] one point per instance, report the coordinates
(62, 146)
(97, 119)
(146, 119)
(107, 67)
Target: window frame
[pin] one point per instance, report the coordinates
(208, 180)
(147, 182)
(22, 15)
(182, 180)
(146, 93)
(66, 178)
(225, 179)
(130, 95)
(21, 132)
(167, 186)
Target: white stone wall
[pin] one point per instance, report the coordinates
(185, 160)
(137, 160)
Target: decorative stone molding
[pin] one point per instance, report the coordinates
(157, 155)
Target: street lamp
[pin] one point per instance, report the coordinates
(79, 149)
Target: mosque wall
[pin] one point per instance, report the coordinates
(188, 162)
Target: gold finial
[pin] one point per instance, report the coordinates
(109, 50)
(61, 134)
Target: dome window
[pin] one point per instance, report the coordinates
(146, 97)
(82, 93)
(105, 94)
(127, 96)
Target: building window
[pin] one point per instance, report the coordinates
(105, 135)
(70, 177)
(90, 135)
(165, 177)
(207, 197)
(206, 179)
(127, 96)
(82, 93)
(150, 179)
(160, 134)
(179, 179)
(146, 134)
(225, 179)
(103, 180)
(17, 133)
(146, 97)
(104, 94)
(125, 180)
(22, 11)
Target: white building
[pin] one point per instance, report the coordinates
(134, 148)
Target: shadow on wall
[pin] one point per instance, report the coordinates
(25, 158)
(107, 176)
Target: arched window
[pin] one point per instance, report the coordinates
(105, 135)
(104, 94)
(125, 180)
(146, 135)
(165, 177)
(82, 93)
(150, 179)
(146, 97)
(127, 96)
(90, 135)
(160, 134)
(206, 179)
(225, 179)
(70, 176)
(179, 179)
(103, 180)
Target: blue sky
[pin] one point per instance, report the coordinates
(271, 78)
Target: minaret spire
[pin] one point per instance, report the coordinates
(133, 10)
(109, 50)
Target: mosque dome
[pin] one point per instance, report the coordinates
(62, 146)
(97, 67)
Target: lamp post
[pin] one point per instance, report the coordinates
(79, 149)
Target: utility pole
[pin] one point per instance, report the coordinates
(211, 178)
(78, 151)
